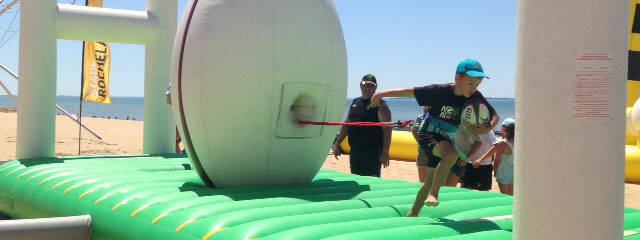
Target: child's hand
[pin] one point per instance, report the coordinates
(476, 163)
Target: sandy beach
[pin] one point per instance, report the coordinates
(125, 137)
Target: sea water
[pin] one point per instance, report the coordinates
(402, 109)
(121, 107)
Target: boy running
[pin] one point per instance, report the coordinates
(437, 137)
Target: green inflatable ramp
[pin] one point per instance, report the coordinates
(162, 197)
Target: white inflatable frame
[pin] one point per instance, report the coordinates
(569, 173)
(569, 169)
(43, 22)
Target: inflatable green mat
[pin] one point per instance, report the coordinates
(162, 197)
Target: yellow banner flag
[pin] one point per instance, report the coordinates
(97, 61)
(94, 3)
(96, 65)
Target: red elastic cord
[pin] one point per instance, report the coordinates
(362, 124)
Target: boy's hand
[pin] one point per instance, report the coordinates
(375, 101)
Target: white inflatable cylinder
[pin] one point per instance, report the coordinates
(104, 24)
(570, 127)
(37, 87)
(159, 127)
(240, 70)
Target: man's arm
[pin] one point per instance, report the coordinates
(384, 114)
(400, 92)
(337, 151)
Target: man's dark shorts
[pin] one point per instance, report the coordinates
(477, 178)
(366, 161)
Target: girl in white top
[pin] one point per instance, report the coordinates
(503, 165)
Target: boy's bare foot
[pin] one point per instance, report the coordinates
(411, 214)
(432, 201)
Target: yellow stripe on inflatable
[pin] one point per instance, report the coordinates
(403, 146)
(633, 92)
(632, 170)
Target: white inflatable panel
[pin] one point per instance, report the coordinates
(239, 67)
(569, 156)
(631, 127)
(635, 115)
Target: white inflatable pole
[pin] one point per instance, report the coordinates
(570, 127)
(159, 127)
(45, 21)
(37, 87)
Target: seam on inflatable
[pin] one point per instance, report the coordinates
(183, 121)
(396, 209)
(366, 203)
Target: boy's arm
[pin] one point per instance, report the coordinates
(400, 92)
(494, 121)
(474, 148)
(384, 114)
(479, 129)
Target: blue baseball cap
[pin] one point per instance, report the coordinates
(509, 122)
(472, 68)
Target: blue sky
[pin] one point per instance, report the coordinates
(405, 43)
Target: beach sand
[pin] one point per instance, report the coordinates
(125, 137)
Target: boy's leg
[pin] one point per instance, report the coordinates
(422, 164)
(422, 174)
(449, 156)
(422, 193)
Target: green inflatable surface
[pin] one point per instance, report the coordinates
(162, 197)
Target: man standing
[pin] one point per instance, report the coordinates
(369, 145)
(438, 138)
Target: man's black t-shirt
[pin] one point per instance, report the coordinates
(363, 136)
(445, 105)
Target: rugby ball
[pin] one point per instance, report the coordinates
(475, 111)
